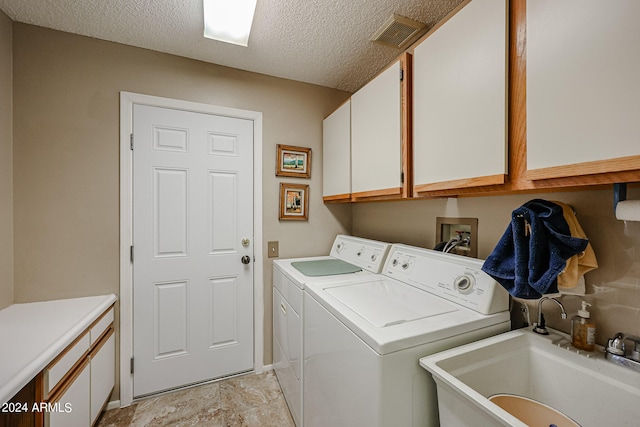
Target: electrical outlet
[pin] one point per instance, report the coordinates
(272, 249)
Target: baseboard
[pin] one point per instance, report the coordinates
(115, 404)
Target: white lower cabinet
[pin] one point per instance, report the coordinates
(78, 383)
(71, 408)
(103, 367)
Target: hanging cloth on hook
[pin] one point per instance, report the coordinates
(533, 250)
(571, 280)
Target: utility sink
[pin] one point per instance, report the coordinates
(546, 370)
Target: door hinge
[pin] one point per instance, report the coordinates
(401, 74)
(131, 253)
(401, 177)
(131, 141)
(131, 365)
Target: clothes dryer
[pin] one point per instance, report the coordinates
(350, 257)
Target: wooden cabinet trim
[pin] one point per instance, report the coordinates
(100, 326)
(406, 64)
(587, 168)
(67, 382)
(48, 393)
(338, 198)
(95, 322)
(385, 194)
(65, 378)
(28, 395)
(103, 339)
(461, 183)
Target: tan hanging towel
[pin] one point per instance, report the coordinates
(577, 265)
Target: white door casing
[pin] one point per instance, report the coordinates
(189, 344)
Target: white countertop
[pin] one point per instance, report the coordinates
(33, 334)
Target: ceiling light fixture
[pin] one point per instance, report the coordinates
(229, 21)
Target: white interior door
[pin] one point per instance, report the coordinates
(192, 227)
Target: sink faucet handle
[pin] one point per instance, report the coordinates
(635, 353)
(616, 344)
(633, 338)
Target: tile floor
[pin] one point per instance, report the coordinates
(247, 401)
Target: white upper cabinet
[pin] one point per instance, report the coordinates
(336, 154)
(583, 63)
(460, 100)
(376, 138)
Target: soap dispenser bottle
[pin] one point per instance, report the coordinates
(583, 329)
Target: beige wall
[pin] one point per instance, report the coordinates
(614, 288)
(66, 155)
(6, 156)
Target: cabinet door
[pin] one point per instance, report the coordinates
(71, 408)
(460, 108)
(376, 139)
(103, 369)
(583, 64)
(336, 154)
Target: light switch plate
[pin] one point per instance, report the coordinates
(272, 249)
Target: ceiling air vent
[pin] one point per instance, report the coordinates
(398, 31)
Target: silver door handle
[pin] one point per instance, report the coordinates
(245, 259)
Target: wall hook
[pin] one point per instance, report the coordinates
(619, 194)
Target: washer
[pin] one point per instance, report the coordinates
(350, 257)
(363, 337)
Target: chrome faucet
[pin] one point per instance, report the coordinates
(615, 351)
(539, 327)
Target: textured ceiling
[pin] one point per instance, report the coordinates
(324, 42)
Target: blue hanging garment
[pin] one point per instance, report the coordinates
(533, 250)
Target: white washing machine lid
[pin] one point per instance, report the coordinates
(391, 316)
(385, 302)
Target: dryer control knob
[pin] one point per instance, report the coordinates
(464, 284)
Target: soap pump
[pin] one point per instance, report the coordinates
(583, 329)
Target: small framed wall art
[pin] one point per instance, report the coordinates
(293, 161)
(294, 202)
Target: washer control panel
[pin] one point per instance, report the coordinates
(464, 283)
(456, 278)
(367, 254)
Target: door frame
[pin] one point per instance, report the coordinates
(127, 100)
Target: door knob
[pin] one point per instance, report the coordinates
(245, 259)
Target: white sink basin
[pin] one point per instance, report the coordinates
(583, 386)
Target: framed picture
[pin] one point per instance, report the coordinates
(293, 161)
(294, 202)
